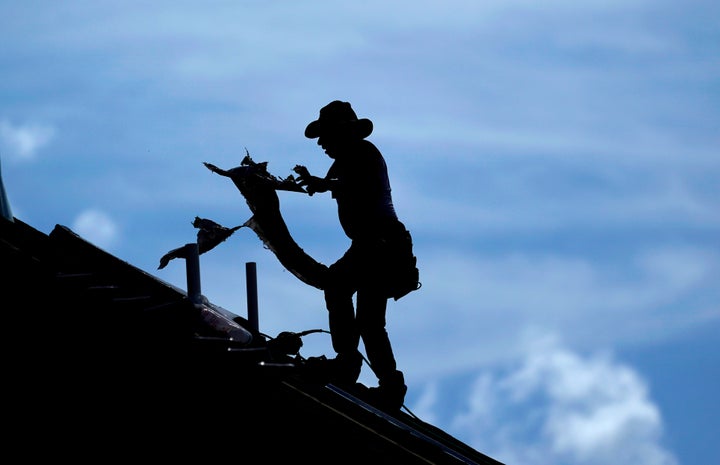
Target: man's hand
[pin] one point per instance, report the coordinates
(311, 183)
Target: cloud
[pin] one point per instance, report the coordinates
(97, 227)
(560, 407)
(424, 407)
(23, 141)
(472, 307)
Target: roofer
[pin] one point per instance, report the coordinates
(379, 263)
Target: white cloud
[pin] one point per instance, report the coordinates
(424, 407)
(96, 227)
(559, 407)
(23, 141)
(471, 307)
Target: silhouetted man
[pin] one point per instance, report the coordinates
(379, 263)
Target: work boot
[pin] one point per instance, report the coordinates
(343, 370)
(389, 396)
(347, 368)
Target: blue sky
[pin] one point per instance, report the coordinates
(557, 163)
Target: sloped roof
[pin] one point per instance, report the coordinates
(107, 362)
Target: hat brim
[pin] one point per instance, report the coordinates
(360, 128)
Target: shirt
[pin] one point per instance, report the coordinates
(361, 187)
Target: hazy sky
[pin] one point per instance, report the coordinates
(557, 163)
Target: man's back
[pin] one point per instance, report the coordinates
(362, 190)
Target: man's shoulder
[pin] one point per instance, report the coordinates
(365, 144)
(368, 149)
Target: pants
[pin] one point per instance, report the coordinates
(361, 271)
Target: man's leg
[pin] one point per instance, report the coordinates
(371, 310)
(344, 331)
(341, 319)
(345, 368)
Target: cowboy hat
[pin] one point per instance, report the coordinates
(336, 117)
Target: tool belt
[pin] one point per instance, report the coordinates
(401, 273)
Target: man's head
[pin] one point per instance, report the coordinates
(338, 120)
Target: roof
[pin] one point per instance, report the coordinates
(107, 360)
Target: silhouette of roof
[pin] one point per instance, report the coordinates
(107, 361)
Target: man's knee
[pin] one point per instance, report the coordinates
(338, 297)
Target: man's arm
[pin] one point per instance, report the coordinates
(313, 184)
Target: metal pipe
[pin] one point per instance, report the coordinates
(252, 298)
(5, 210)
(192, 261)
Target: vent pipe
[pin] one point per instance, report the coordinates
(5, 210)
(252, 299)
(192, 259)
